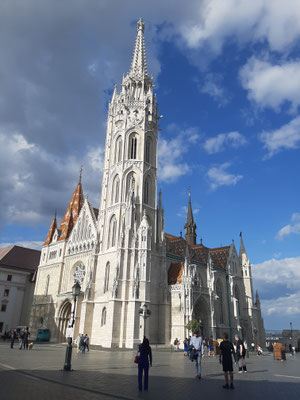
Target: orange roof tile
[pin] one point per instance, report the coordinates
(74, 208)
(51, 231)
(175, 273)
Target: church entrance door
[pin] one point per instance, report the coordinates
(201, 314)
(64, 318)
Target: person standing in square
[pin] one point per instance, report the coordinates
(226, 351)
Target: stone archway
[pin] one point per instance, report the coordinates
(202, 315)
(63, 320)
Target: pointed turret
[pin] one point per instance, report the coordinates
(190, 226)
(139, 65)
(257, 300)
(52, 229)
(242, 253)
(73, 210)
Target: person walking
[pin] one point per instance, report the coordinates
(241, 353)
(145, 359)
(226, 351)
(87, 342)
(196, 345)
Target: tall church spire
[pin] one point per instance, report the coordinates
(190, 226)
(139, 65)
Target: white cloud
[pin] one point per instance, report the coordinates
(36, 245)
(272, 85)
(34, 183)
(292, 227)
(285, 305)
(170, 153)
(278, 272)
(283, 277)
(218, 176)
(218, 143)
(214, 22)
(286, 137)
(211, 85)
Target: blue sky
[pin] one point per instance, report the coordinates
(227, 79)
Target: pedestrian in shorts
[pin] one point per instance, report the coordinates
(226, 351)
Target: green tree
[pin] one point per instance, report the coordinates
(192, 325)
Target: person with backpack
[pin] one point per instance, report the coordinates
(144, 360)
(240, 353)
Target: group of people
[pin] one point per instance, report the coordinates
(194, 348)
(83, 343)
(20, 336)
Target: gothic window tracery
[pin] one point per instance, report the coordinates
(132, 147)
(115, 190)
(79, 273)
(106, 277)
(112, 232)
(148, 150)
(147, 191)
(118, 150)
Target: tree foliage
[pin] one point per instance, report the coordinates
(192, 325)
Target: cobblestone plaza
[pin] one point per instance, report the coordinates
(37, 374)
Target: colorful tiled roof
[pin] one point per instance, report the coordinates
(219, 256)
(74, 208)
(176, 245)
(51, 231)
(175, 273)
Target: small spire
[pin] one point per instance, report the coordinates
(201, 241)
(139, 65)
(190, 226)
(80, 174)
(140, 25)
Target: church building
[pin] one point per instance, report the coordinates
(123, 259)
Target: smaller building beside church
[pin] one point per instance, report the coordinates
(18, 267)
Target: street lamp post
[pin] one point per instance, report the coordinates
(144, 313)
(75, 293)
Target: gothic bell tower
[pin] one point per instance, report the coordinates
(130, 224)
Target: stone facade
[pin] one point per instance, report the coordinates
(122, 257)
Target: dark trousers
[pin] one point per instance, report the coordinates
(143, 368)
(12, 343)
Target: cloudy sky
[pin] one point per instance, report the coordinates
(227, 76)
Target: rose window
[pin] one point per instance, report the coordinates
(79, 273)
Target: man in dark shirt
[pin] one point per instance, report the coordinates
(226, 350)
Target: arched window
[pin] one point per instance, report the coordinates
(112, 232)
(148, 150)
(147, 191)
(106, 277)
(118, 150)
(132, 147)
(103, 317)
(115, 190)
(47, 285)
